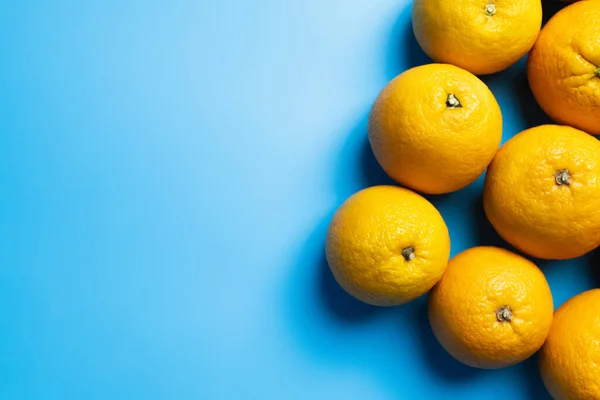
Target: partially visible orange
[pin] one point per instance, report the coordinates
(387, 245)
(435, 128)
(564, 66)
(491, 309)
(570, 358)
(481, 36)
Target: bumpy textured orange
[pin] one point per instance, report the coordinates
(542, 192)
(491, 309)
(387, 245)
(570, 358)
(482, 36)
(435, 128)
(564, 66)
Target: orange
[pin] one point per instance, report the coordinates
(564, 66)
(570, 358)
(435, 128)
(387, 245)
(542, 192)
(491, 309)
(481, 36)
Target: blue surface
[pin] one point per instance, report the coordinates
(168, 170)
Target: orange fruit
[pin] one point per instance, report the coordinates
(435, 128)
(491, 309)
(564, 66)
(570, 358)
(387, 245)
(542, 192)
(481, 36)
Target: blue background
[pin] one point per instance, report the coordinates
(168, 170)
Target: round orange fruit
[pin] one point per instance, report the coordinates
(564, 66)
(570, 358)
(481, 36)
(435, 128)
(542, 192)
(387, 245)
(491, 309)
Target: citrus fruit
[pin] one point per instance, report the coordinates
(435, 128)
(387, 245)
(570, 358)
(491, 309)
(564, 66)
(482, 36)
(542, 192)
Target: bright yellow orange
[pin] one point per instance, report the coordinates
(387, 245)
(570, 358)
(491, 309)
(481, 36)
(435, 128)
(564, 66)
(542, 192)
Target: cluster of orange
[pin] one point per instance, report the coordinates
(435, 129)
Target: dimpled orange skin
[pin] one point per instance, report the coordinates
(563, 67)
(463, 33)
(367, 240)
(478, 284)
(570, 358)
(527, 206)
(423, 143)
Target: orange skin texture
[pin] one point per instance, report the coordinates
(367, 236)
(422, 143)
(570, 358)
(562, 66)
(460, 32)
(529, 209)
(463, 306)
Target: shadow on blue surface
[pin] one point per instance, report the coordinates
(551, 7)
(531, 374)
(486, 234)
(532, 113)
(409, 53)
(594, 266)
(372, 173)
